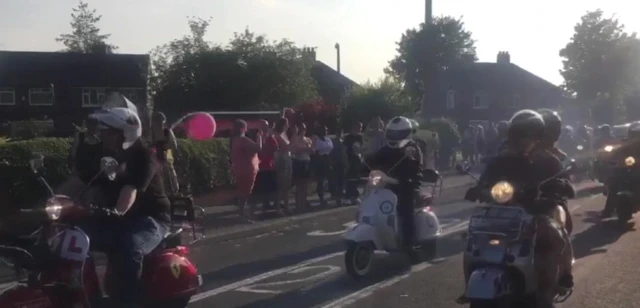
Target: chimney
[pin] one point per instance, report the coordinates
(503, 57)
(309, 53)
(428, 12)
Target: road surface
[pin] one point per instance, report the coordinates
(301, 265)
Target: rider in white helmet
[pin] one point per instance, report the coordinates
(400, 159)
(138, 195)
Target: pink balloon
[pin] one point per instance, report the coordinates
(201, 126)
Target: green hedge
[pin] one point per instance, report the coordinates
(203, 166)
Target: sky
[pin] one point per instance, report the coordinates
(533, 32)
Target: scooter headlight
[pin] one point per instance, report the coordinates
(629, 161)
(579, 148)
(53, 209)
(502, 192)
(608, 148)
(376, 178)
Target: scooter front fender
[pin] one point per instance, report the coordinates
(488, 283)
(363, 233)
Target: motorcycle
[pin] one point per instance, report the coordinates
(584, 165)
(378, 227)
(62, 271)
(622, 188)
(500, 251)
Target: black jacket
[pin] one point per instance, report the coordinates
(395, 163)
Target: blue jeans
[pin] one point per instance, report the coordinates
(126, 243)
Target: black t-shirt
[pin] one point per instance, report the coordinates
(352, 141)
(394, 163)
(140, 169)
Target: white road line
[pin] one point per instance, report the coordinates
(263, 276)
(358, 295)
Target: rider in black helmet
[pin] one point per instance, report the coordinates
(629, 147)
(547, 160)
(515, 163)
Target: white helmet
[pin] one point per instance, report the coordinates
(123, 119)
(398, 132)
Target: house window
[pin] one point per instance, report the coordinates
(41, 97)
(7, 96)
(451, 99)
(515, 101)
(91, 100)
(480, 101)
(102, 96)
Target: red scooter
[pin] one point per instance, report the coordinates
(62, 272)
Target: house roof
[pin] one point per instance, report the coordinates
(507, 73)
(330, 74)
(73, 69)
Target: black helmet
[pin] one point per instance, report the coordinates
(502, 127)
(552, 125)
(634, 131)
(605, 129)
(526, 124)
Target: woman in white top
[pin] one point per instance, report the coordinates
(301, 156)
(323, 147)
(282, 165)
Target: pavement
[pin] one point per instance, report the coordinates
(220, 216)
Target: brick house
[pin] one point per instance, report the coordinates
(489, 92)
(65, 87)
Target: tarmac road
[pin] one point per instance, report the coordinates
(300, 264)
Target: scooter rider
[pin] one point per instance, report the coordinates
(515, 163)
(630, 147)
(547, 159)
(139, 198)
(400, 159)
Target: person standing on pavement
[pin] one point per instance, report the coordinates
(244, 163)
(84, 161)
(283, 165)
(166, 148)
(339, 163)
(323, 147)
(353, 144)
(301, 155)
(266, 180)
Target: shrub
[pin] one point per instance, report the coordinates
(23, 130)
(447, 131)
(202, 166)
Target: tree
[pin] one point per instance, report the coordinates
(429, 50)
(386, 98)
(601, 64)
(85, 36)
(251, 72)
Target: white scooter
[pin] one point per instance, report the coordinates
(378, 228)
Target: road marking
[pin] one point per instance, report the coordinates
(327, 271)
(263, 276)
(323, 233)
(358, 295)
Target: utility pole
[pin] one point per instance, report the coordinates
(428, 12)
(338, 56)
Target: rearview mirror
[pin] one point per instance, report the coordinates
(36, 162)
(109, 166)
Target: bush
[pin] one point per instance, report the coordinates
(203, 166)
(23, 130)
(447, 131)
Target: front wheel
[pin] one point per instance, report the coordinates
(358, 259)
(181, 302)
